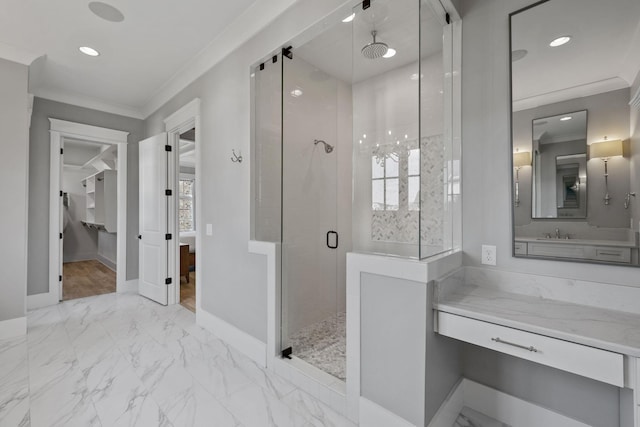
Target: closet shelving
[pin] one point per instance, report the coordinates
(102, 205)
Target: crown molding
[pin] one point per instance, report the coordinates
(254, 19)
(602, 86)
(16, 54)
(88, 102)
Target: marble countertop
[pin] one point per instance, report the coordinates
(611, 330)
(590, 242)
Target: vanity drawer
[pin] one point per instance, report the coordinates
(613, 254)
(579, 359)
(520, 248)
(557, 250)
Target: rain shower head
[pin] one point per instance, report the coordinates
(327, 148)
(374, 50)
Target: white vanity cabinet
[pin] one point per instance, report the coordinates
(576, 249)
(596, 343)
(579, 359)
(101, 200)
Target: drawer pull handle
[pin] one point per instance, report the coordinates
(609, 253)
(530, 348)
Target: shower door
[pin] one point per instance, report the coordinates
(312, 323)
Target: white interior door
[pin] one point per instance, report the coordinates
(61, 224)
(154, 273)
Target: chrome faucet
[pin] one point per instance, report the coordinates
(557, 233)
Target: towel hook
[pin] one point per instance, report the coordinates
(236, 158)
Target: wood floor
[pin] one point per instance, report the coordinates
(188, 292)
(87, 278)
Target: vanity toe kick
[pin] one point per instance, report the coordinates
(590, 362)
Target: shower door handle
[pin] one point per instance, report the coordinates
(329, 233)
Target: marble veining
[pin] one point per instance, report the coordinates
(470, 418)
(606, 329)
(122, 360)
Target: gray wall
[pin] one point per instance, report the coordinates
(14, 163)
(107, 248)
(405, 367)
(234, 281)
(592, 402)
(80, 242)
(634, 146)
(487, 148)
(607, 114)
(39, 152)
(487, 190)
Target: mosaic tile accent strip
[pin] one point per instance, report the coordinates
(402, 225)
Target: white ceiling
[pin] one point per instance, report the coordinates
(603, 55)
(336, 51)
(149, 54)
(77, 153)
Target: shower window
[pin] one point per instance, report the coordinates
(186, 204)
(414, 180)
(385, 189)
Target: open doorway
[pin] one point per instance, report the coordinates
(187, 218)
(89, 219)
(112, 152)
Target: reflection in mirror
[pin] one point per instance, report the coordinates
(559, 168)
(573, 178)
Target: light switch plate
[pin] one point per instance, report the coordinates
(209, 230)
(488, 254)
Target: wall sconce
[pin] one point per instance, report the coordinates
(605, 150)
(520, 159)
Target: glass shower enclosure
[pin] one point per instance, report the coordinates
(354, 149)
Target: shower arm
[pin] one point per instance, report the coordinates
(327, 147)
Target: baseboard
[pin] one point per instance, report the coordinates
(86, 256)
(107, 262)
(248, 345)
(497, 405)
(128, 286)
(511, 410)
(374, 415)
(41, 300)
(13, 328)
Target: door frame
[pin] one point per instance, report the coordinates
(60, 130)
(185, 118)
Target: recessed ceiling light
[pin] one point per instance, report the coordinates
(390, 53)
(296, 93)
(517, 55)
(414, 76)
(560, 41)
(89, 51)
(106, 11)
(564, 119)
(349, 18)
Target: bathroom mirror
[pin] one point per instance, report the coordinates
(559, 166)
(575, 122)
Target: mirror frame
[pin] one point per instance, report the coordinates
(586, 153)
(512, 174)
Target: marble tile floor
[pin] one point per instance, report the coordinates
(324, 345)
(123, 360)
(471, 418)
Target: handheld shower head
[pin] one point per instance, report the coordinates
(374, 50)
(327, 148)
